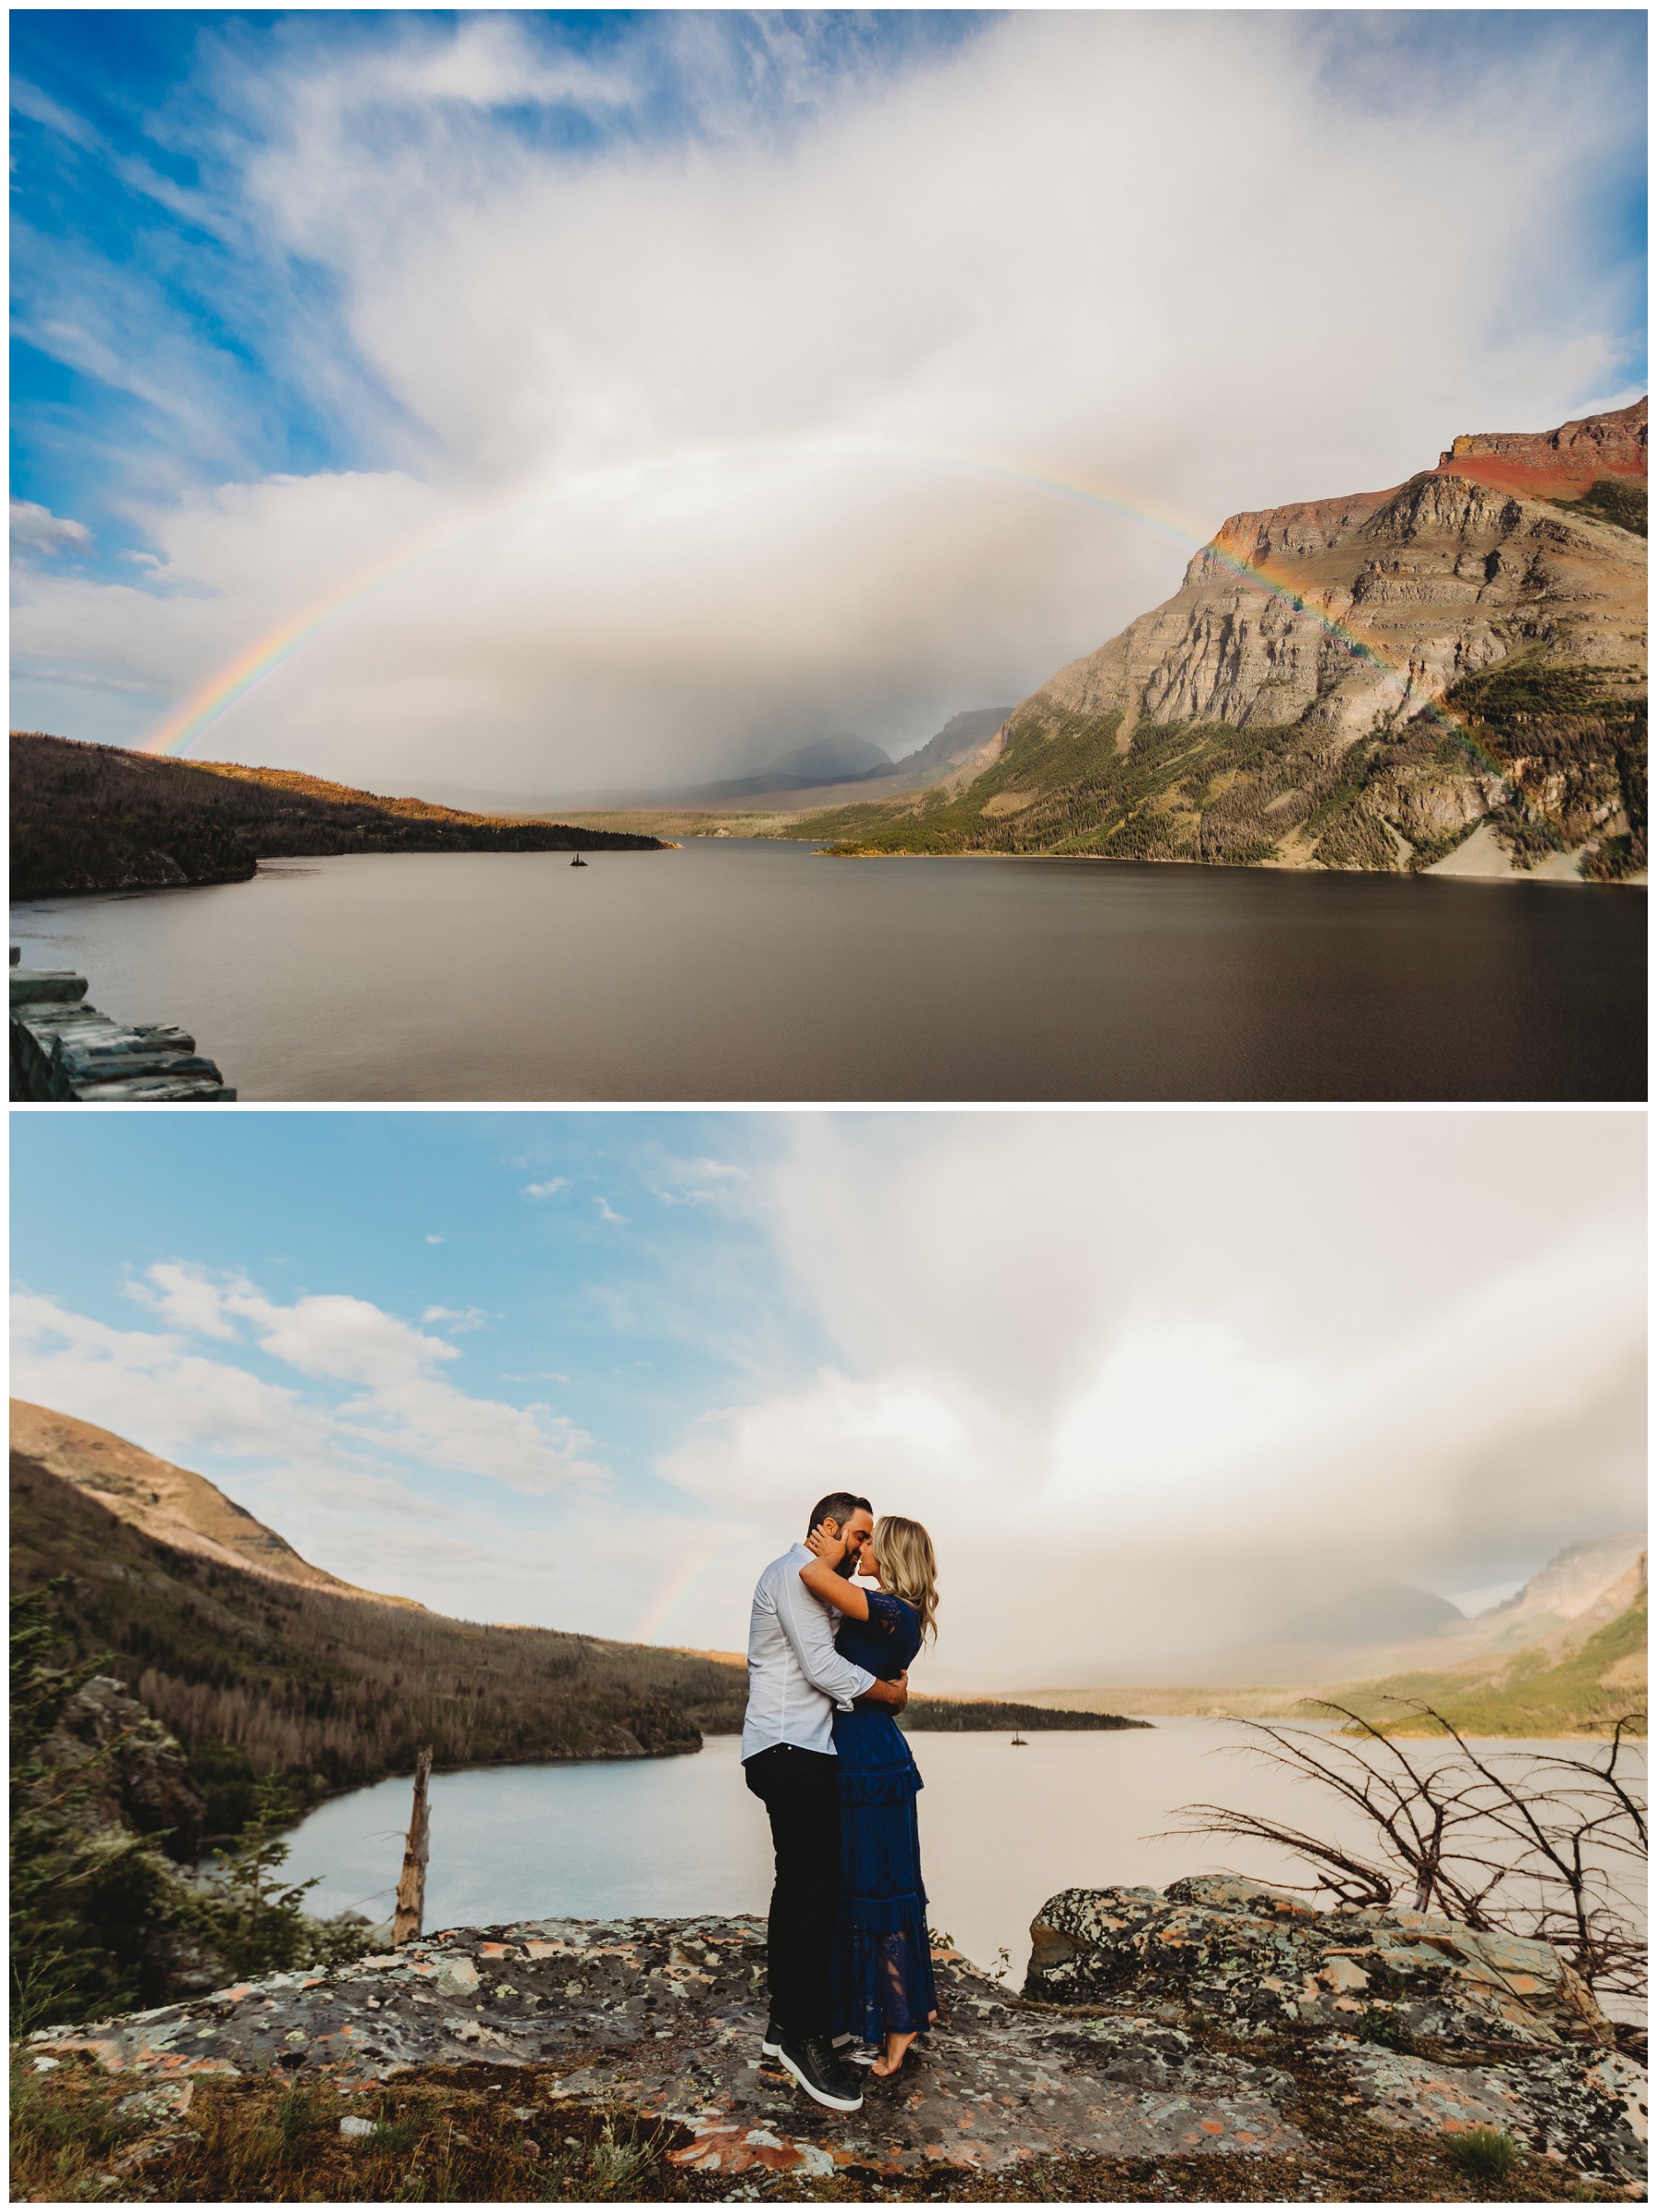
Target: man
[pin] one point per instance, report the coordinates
(796, 1679)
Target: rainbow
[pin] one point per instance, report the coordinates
(187, 722)
(679, 1586)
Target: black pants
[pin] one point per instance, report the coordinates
(800, 1790)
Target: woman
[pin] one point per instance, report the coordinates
(883, 1953)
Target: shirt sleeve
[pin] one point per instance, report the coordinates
(804, 1622)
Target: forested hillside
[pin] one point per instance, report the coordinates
(255, 1675)
(95, 817)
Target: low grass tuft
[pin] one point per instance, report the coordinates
(1486, 2153)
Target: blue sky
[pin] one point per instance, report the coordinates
(725, 313)
(605, 1268)
(591, 1369)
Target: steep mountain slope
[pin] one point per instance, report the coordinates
(170, 1503)
(332, 1689)
(1584, 1690)
(96, 817)
(1357, 682)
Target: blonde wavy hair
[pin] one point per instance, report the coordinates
(909, 1568)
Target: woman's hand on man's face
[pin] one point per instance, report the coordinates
(829, 1548)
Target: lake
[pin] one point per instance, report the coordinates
(1002, 1830)
(746, 969)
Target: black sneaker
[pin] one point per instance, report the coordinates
(811, 2060)
(771, 2041)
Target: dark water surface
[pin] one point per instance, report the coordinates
(747, 969)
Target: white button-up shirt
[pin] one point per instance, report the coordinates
(796, 1678)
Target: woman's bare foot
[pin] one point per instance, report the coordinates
(896, 2045)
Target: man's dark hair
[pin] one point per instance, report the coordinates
(839, 1505)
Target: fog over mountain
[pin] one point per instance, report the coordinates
(625, 402)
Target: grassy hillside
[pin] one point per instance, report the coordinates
(256, 1676)
(94, 817)
(1612, 498)
(1581, 1694)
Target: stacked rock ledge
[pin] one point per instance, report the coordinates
(1209, 2019)
(63, 1048)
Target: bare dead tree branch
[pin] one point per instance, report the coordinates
(1529, 1853)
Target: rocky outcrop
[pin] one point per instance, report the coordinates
(118, 1767)
(1259, 1959)
(663, 2018)
(1554, 464)
(63, 1048)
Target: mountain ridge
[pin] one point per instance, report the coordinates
(167, 1502)
(1356, 682)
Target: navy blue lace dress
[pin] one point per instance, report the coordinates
(883, 1953)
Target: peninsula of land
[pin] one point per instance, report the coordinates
(96, 817)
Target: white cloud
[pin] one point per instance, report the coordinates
(740, 438)
(696, 1182)
(607, 1212)
(36, 529)
(549, 1190)
(456, 1318)
(1170, 1375)
(395, 1398)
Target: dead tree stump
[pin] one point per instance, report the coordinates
(410, 1887)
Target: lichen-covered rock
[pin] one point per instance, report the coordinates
(664, 2017)
(1259, 1959)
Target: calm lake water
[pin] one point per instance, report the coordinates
(1002, 1830)
(748, 969)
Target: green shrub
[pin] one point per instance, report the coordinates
(1484, 2152)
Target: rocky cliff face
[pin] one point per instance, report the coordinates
(1357, 683)
(1333, 615)
(1554, 464)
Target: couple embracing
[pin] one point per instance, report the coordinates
(849, 1956)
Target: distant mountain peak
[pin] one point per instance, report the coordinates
(1379, 1612)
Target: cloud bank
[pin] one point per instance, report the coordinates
(684, 397)
(1154, 1382)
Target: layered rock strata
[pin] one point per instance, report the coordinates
(1369, 682)
(63, 1048)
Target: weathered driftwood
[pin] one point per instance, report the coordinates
(411, 1888)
